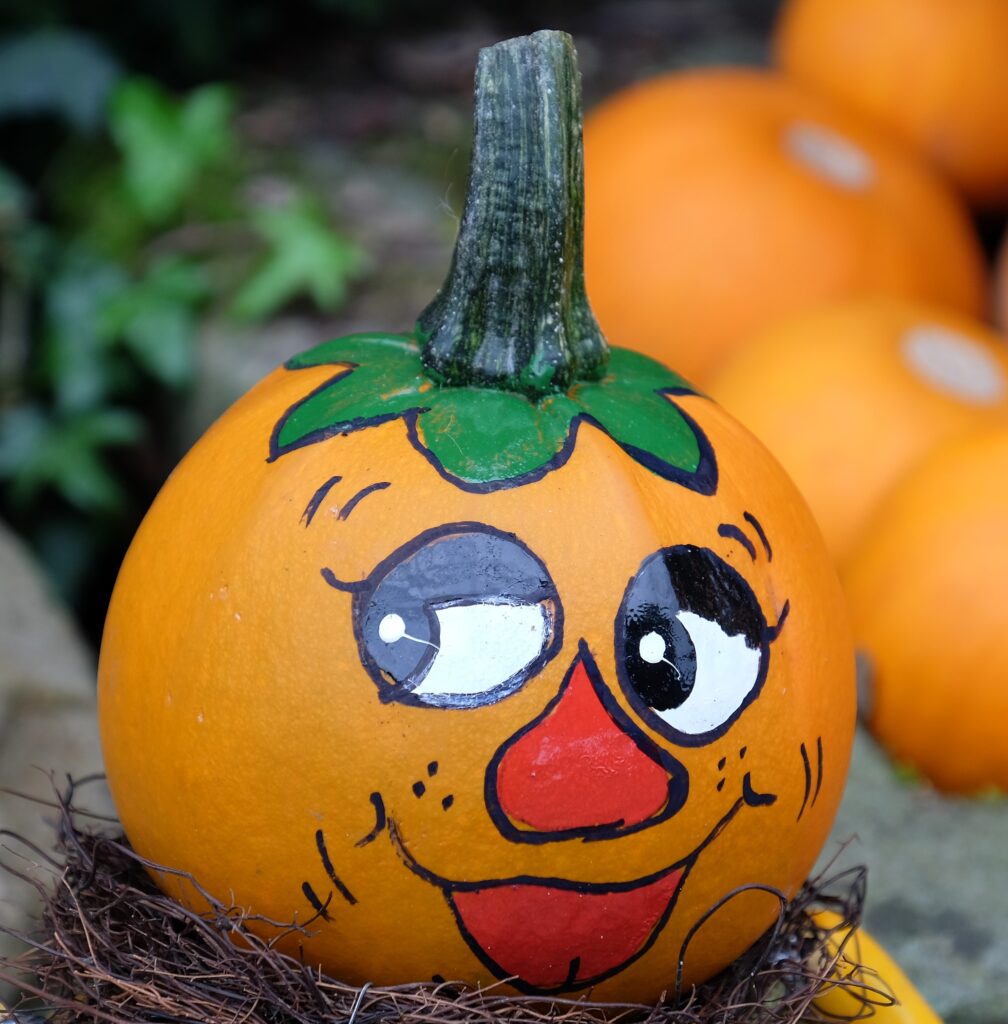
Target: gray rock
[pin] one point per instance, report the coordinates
(937, 884)
(48, 722)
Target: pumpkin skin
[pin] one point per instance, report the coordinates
(720, 201)
(247, 743)
(936, 542)
(930, 71)
(489, 651)
(851, 396)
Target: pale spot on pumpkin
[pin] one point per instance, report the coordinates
(954, 363)
(830, 155)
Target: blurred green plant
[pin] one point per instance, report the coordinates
(141, 222)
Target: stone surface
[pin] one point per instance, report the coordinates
(937, 884)
(48, 722)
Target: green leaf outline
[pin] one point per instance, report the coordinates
(482, 440)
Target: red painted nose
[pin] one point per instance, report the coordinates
(581, 768)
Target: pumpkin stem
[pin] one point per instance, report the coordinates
(513, 313)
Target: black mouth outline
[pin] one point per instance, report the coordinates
(685, 864)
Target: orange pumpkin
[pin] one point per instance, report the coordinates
(931, 71)
(481, 665)
(850, 396)
(1000, 294)
(720, 201)
(936, 549)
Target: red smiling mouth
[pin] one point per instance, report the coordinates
(548, 935)
(553, 937)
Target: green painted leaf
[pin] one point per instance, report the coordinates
(384, 379)
(482, 439)
(485, 437)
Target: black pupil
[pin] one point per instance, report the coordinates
(660, 660)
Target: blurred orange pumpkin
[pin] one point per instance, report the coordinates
(1000, 291)
(927, 594)
(720, 201)
(931, 71)
(851, 395)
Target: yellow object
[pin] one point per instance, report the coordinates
(851, 396)
(880, 976)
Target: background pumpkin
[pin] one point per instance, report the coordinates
(720, 201)
(926, 589)
(851, 395)
(259, 734)
(931, 71)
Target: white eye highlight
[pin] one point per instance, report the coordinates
(482, 647)
(726, 669)
(652, 648)
(391, 628)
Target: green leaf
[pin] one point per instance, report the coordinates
(488, 437)
(631, 405)
(387, 381)
(156, 318)
(305, 256)
(56, 71)
(39, 452)
(15, 200)
(482, 439)
(76, 348)
(167, 144)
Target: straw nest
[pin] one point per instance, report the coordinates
(111, 948)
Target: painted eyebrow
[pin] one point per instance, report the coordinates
(360, 496)
(317, 498)
(761, 533)
(731, 531)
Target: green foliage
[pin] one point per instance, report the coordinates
(168, 145)
(135, 233)
(304, 256)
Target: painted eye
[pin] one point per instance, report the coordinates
(460, 617)
(692, 643)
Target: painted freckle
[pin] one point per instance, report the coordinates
(722, 763)
(447, 801)
(720, 785)
(742, 753)
(432, 769)
(419, 789)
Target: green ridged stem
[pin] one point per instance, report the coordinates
(513, 313)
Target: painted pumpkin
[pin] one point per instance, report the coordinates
(930, 71)
(486, 652)
(851, 396)
(721, 201)
(938, 696)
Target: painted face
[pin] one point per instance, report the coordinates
(566, 727)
